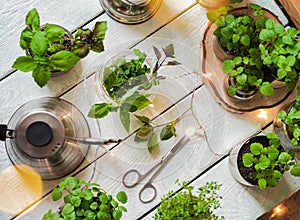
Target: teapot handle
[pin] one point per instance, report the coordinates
(3, 130)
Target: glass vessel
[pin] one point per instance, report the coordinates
(130, 11)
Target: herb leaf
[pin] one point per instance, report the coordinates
(100, 110)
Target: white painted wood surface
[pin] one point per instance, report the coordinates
(178, 22)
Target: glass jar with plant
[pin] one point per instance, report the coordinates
(261, 161)
(287, 124)
(51, 48)
(127, 82)
(189, 205)
(85, 200)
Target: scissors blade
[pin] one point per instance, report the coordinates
(182, 142)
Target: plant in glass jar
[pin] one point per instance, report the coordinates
(51, 48)
(126, 82)
(264, 161)
(85, 200)
(291, 120)
(189, 205)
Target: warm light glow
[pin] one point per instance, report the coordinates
(20, 187)
(278, 211)
(262, 114)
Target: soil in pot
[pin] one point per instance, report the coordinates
(246, 172)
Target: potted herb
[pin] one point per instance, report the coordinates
(85, 200)
(51, 48)
(280, 48)
(189, 205)
(126, 81)
(261, 161)
(287, 124)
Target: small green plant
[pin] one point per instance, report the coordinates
(247, 74)
(187, 205)
(270, 161)
(85, 200)
(126, 83)
(51, 48)
(292, 120)
(281, 47)
(237, 34)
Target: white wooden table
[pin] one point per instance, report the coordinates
(179, 22)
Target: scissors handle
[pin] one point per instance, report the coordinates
(147, 186)
(136, 181)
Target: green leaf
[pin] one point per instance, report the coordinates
(24, 63)
(122, 208)
(33, 19)
(41, 75)
(122, 197)
(100, 30)
(241, 79)
(276, 174)
(94, 205)
(99, 110)
(245, 40)
(143, 119)
(248, 160)
(125, 118)
(262, 183)
(281, 115)
(67, 209)
(80, 48)
(117, 214)
(256, 148)
(169, 51)
(213, 15)
(54, 32)
(295, 171)
(167, 132)
(227, 66)
(284, 157)
(287, 39)
(144, 131)
(266, 35)
(152, 143)
(39, 44)
(71, 182)
(137, 102)
(266, 89)
(264, 162)
(231, 91)
(56, 194)
(114, 203)
(63, 60)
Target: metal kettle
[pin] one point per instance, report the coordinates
(43, 133)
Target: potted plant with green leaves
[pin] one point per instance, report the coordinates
(280, 48)
(85, 200)
(187, 204)
(287, 124)
(261, 161)
(50, 48)
(126, 79)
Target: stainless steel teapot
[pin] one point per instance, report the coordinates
(43, 134)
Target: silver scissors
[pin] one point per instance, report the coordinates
(161, 164)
